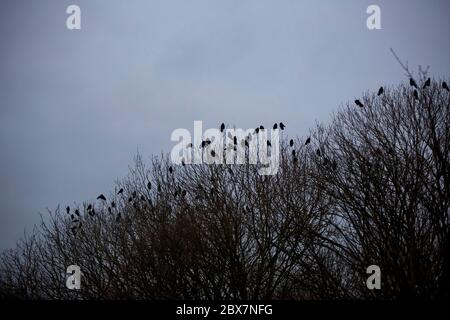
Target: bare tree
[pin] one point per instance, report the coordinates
(372, 187)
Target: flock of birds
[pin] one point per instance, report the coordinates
(413, 84)
(75, 216)
(76, 223)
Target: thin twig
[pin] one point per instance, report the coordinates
(404, 67)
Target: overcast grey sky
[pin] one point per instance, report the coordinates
(75, 106)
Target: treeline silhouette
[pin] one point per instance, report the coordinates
(370, 187)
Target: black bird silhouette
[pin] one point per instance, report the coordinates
(120, 191)
(142, 197)
(318, 152)
(149, 185)
(427, 83)
(113, 204)
(291, 143)
(213, 153)
(295, 159)
(308, 141)
(246, 143)
(275, 126)
(203, 144)
(109, 210)
(268, 143)
(101, 197)
(412, 83)
(72, 217)
(77, 212)
(222, 127)
(358, 103)
(445, 86)
(380, 91)
(416, 94)
(293, 153)
(261, 127)
(282, 126)
(235, 140)
(170, 170)
(68, 209)
(89, 207)
(257, 130)
(130, 199)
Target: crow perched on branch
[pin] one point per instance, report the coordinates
(101, 197)
(308, 141)
(445, 86)
(359, 103)
(380, 91)
(412, 83)
(427, 83)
